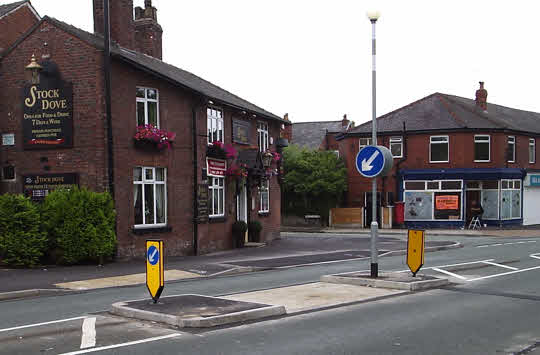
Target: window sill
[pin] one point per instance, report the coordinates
(221, 219)
(482, 161)
(264, 214)
(142, 231)
(439, 162)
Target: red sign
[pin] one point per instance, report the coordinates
(216, 167)
(447, 202)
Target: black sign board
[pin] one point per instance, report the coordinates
(48, 114)
(202, 203)
(241, 131)
(38, 186)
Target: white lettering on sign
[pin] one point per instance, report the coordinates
(216, 167)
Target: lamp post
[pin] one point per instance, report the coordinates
(373, 17)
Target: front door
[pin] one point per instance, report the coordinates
(472, 195)
(241, 205)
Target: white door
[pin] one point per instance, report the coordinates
(531, 204)
(241, 204)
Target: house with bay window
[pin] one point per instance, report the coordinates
(183, 158)
(448, 152)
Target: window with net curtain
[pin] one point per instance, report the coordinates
(216, 197)
(149, 196)
(147, 107)
(264, 191)
(214, 125)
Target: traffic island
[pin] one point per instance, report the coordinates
(391, 280)
(195, 311)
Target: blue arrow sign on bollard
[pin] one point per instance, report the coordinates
(373, 161)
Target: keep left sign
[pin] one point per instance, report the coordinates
(155, 280)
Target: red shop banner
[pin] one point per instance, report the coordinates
(216, 167)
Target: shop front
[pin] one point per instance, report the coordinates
(444, 197)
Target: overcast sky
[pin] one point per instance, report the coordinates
(312, 58)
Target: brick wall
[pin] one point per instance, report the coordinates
(14, 25)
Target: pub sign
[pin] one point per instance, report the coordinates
(37, 187)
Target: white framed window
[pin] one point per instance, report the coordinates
(262, 136)
(510, 199)
(433, 200)
(216, 196)
(439, 149)
(532, 150)
(511, 149)
(482, 148)
(364, 142)
(396, 147)
(264, 191)
(214, 124)
(149, 196)
(8, 173)
(147, 107)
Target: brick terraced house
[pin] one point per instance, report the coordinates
(170, 180)
(449, 151)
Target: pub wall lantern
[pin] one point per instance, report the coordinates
(267, 159)
(33, 70)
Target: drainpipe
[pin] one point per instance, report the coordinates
(195, 172)
(397, 175)
(107, 73)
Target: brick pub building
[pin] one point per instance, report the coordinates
(57, 131)
(449, 151)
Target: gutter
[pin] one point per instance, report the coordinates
(397, 174)
(195, 171)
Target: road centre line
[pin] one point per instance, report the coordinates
(501, 265)
(504, 273)
(449, 273)
(40, 324)
(147, 340)
(88, 337)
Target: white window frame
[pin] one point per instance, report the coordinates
(511, 141)
(362, 146)
(498, 189)
(396, 141)
(511, 186)
(146, 100)
(2, 177)
(447, 142)
(153, 182)
(214, 185)
(433, 199)
(264, 189)
(477, 139)
(532, 144)
(262, 136)
(214, 119)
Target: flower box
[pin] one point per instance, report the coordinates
(151, 138)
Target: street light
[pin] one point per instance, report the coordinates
(373, 17)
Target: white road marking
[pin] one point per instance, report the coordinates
(88, 338)
(40, 324)
(536, 256)
(449, 273)
(114, 346)
(501, 265)
(511, 243)
(505, 273)
(467, 263)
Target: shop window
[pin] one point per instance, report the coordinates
(415, 185)
(418, 205)
(532, 150)
(441, 201)
(264, 192)
(214, 118)
(364, 142)
(149, 196)
(8, 173)
(510, 199)
(438, 149)
(451, 185)
(473, 185)
(433, 185)
(447, 205)
(147, 107)
(216, 197)
(396, 147)
(481, 148)
(262, 134)
(511, 149)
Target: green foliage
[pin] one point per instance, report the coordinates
(80, 225)
(254, 231)
(22, 243)
(239, 229)
(314, 181)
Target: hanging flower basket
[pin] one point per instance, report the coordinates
(149, 137)
(219, 150)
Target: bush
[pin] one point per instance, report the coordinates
(22, 243)
(80, 225)
(239, 231)
(254, 231)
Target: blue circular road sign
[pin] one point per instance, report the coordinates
(152, 255)
(373, 161)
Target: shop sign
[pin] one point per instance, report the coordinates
(216, 167)
(38, 186)
(534, 180)
(241, 131)
(48, 114)
(447, 202)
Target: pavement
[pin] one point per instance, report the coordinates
(281, 253)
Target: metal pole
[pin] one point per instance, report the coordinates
(374, 224)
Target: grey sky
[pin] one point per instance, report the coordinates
(312, 59)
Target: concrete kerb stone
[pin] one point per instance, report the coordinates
(5, 296)
(123, 309)
(358, 280)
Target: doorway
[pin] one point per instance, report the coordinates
(241, 206)
(368, 197)
(472, 195)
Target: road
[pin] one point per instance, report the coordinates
(490, 308)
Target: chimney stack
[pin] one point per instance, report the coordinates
(121, 19)
(345, 122)
(481, 97)
(148, 32)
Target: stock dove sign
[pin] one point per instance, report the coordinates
(373, 161)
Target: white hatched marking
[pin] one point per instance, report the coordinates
(449, 273)
(501, 265)
(40, 324)
(88, 338)
(121, 345)
(505, 273)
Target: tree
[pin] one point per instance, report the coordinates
(314, 181)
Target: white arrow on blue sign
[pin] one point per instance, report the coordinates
(372, 161)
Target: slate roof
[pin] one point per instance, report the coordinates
(439, 112)
(311, 134)
(167, 71)
(4, 9)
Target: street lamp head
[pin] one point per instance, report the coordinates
(373, 16)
